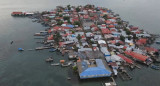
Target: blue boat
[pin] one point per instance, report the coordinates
(20, 49)
(155, 67)
(52, 50)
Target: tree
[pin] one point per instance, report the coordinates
(77, 23)
(129, 37)
(57, 37)
(68, 6)
(79, 37)
(59, 22)
(128, 32)
(120, 23)
(73, 32)
(75, 68)
(122, 38)
(66, 18)
(105, 17)
(60, 15)
(77, 9)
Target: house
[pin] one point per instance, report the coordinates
(97, 37)
(106, 31)
(84, 49)
(93, 69)
(105, 51)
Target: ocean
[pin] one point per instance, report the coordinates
(28, 68)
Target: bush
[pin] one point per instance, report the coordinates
(77, 23)
(66, 18)
(122, 38)
(77, 9)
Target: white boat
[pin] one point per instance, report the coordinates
(55, 64)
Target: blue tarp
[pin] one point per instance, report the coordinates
(66, 10)
(71, 26)
(20, 49)
(73, 35)
(94, 72)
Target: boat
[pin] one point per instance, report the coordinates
(157, 42)
(11, 42)
(50, 59)
(20, 49)
(111, 83)
(155, 67)
(52, 50)
(55, 64)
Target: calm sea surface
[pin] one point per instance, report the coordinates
(29, 69)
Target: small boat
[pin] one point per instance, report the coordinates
(11, 42)
(69, 78)
(50, 59)
(52, 50)
(56, 64)
(30, 49)
(155, 67)
(20, 49)
(157, 42)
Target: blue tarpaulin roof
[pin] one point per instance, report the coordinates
(94, 72)
(66, 10)
(71, 26)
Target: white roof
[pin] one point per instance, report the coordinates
(107, 84)
(101, 42)
(115, 58)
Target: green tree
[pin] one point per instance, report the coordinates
(122, 38)
(77, 23)
(73, 32)
(79, 37)
(69, 7)
(129, 37)
(66, 18)
(57, 37)
(105, 17)
(77, 9)
(59, 22)
(128, 32)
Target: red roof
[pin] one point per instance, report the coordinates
(96, 29)
(111, 26)
(125, 47)
(66, 27)
(86, 16)
(103, 25)
(113, 41)
(93, 25)
(126, 59)
(17, 13)
(61, 44)
(142, 41)
(149, 49)
(49, 31)
(108, 22)
(106, 31)
(56, 27)
(50, 37)
(121, 42)
(134, 28)
(82, 36)
(136, 55)
(113, 30)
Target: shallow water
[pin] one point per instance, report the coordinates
(29, 69)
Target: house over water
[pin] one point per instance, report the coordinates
(95, 68)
